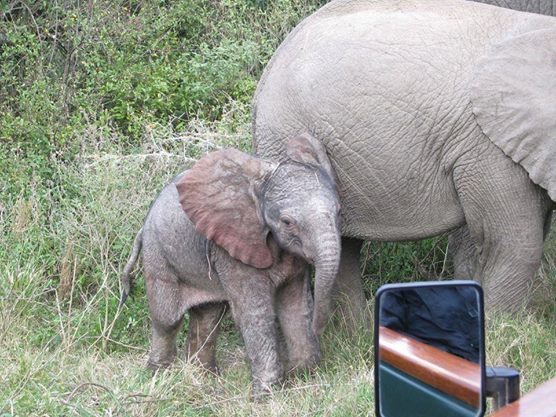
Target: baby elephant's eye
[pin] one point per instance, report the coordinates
(287, 221)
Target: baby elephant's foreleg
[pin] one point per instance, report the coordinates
(253, 310)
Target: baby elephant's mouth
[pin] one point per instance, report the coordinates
(295, 242)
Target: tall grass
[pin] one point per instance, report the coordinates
(66, 350)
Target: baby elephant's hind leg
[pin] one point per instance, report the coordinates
(166, 315)
(204, 321)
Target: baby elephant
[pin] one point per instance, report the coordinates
(242, 230)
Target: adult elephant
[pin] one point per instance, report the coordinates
(436, 114)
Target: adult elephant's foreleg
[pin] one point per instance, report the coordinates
(350, 298)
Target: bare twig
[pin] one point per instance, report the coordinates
(55, 36)
(33, 19)
(445, 261)
(83, 385)
(307, 387)
(143, 350)
(128, 399)
(96, 159)
(59, 310)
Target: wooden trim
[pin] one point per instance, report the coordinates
(540, 402)
(448, 373)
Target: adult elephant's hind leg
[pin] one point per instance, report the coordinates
(506, 214)
(204, 326)
(463, 252)
(350, 298)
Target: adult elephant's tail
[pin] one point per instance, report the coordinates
(125, 279)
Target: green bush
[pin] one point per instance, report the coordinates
(122, 67)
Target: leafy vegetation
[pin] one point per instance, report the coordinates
(101, 103)
(117, 69)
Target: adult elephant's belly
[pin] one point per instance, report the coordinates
(386, 92)
(397, 187)
(392, 195)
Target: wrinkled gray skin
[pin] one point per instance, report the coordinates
(184, 272)
(385, 85)
(547, 7)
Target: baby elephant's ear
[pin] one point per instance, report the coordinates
(307, 149)
(217, 196)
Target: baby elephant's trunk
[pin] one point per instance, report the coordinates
(125, 279)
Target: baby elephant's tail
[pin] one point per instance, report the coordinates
(125, 279)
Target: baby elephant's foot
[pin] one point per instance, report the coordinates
(159, 362)
(157, 366)
(263, 390)
(204, 360)
(210, 368)
(262, 387)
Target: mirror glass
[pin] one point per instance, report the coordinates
(429, 350)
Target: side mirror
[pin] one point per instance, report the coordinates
(430, 350)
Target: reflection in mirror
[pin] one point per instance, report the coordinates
(430, 350)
